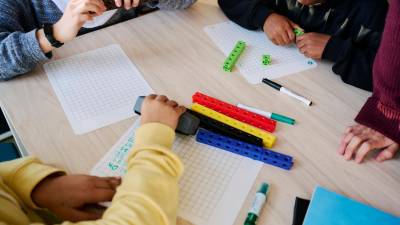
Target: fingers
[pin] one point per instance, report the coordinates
(388, 153)
(347, 138)
(295, 25)
(107, 182)
(127, 4)
(291, 36)
(118, 3)
(98, 195)
(365, 148)
(91, 7)
(172, 103)
(354, 145)
(162, 98)
(180, 110)
(151, 96)
(85, 17)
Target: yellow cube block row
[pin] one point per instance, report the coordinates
(268, 139)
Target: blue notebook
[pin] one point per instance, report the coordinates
(328, 208)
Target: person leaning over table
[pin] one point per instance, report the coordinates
(147, 195)
(379, 120)
(23, 43)
(345, 32)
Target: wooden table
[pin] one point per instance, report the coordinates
(177, 59)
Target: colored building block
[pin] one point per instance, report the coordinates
(298, 32)
(232, 58)
(226, 130)
(266, 60)
(235, 112)
(268, 139)
(251, 151)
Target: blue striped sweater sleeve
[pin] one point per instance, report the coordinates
(19, 48)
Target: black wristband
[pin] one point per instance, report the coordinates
(48, 32)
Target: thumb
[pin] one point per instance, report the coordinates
(387, 153)
(295, 25)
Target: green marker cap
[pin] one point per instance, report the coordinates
(264, 188)
(250, 219)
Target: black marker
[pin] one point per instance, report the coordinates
(286, 91)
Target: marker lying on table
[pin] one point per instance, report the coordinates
(260, 199)
(271, 115)
(287, 91)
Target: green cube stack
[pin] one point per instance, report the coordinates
(231, 60)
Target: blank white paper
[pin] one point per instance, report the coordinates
(214, 185)
(96, 88)
(285, 60)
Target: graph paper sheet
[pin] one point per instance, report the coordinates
(96, 88)
(214, 185)
(285, 60)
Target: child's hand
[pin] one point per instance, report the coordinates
(158, 108)
(279, 29)
(359, 140)
(75, 15)
(127, 4)
(312, 44)
(67, 195)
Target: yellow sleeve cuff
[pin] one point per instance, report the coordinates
(157, 137)
(154, 134)
(26, 176)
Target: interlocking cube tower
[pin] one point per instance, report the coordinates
(231, 60)
(266, 60)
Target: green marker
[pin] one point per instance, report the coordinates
(271, 115)
(260, 199)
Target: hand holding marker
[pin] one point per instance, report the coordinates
(287, 91)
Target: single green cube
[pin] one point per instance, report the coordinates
(266, 60)
(298, 32)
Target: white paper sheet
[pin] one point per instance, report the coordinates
(96, 88)
(214, 185)
(285, 60)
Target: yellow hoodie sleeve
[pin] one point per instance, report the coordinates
(22, 175)
(148, 194)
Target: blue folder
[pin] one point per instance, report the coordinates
(330, 208)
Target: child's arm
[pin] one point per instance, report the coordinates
(22, 176)
(148, 194)
(353, 57)
(250, 14)
(19, 49)
(22, 49)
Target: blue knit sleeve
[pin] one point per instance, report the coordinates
(19, 49)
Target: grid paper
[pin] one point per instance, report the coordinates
(96, 88)
(285, 60)
(213, 187)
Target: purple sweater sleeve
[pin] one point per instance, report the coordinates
(382, 110)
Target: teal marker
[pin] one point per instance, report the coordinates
(260, 199)
(271, 115)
